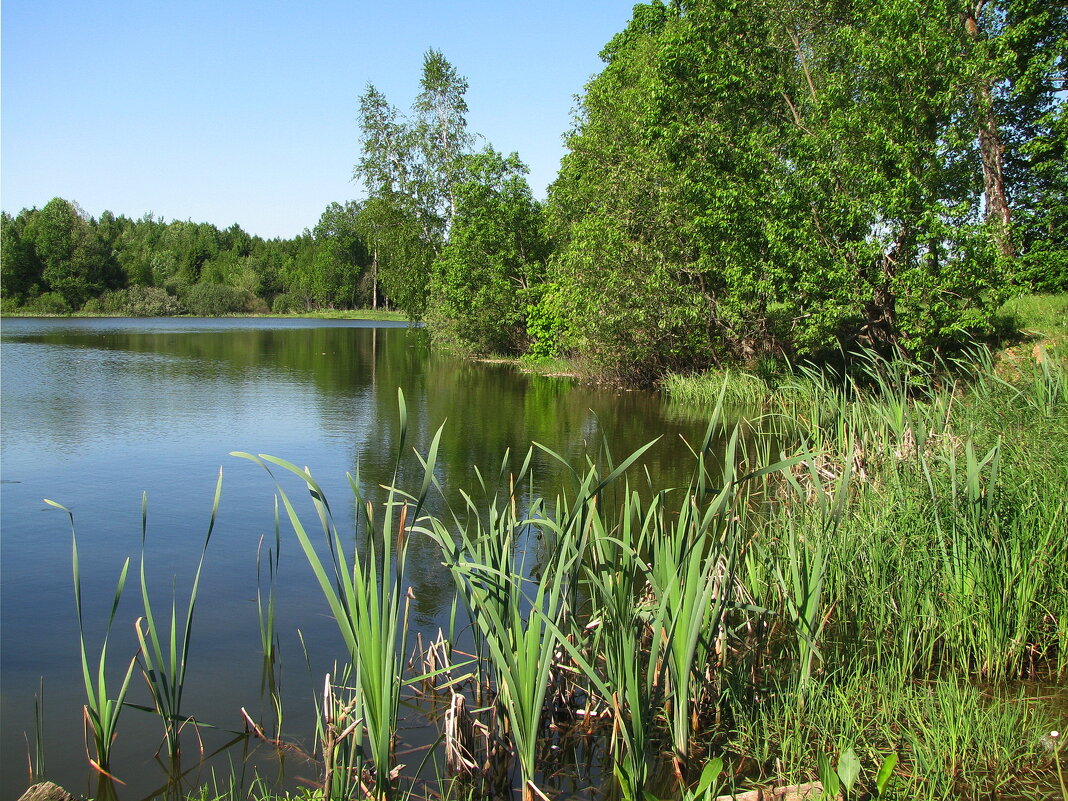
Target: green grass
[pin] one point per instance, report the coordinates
(342, 314)
(548, 366)
(1039, 315)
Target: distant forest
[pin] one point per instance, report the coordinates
(58, 259)
(743, 180)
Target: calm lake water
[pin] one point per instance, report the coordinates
(95, 412)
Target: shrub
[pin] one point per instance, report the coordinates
(149, 301)
(137, 301)
(93, 306)
(213, 300)
(49, 303)
(110, 302)
(545, 321)
(287, 303)
(254, 304)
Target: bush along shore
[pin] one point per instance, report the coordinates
(864, 590)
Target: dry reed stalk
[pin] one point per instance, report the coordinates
(459, 737)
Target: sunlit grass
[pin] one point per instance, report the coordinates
(1042, 315)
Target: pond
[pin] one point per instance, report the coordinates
(97, 412)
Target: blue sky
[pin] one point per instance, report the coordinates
(239, 111)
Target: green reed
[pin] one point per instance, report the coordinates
(1049, 385)
(36, 757)
(265, 614)
(737, 389)
(485, 536)
(265, 608)
(164, 653)
(692, 576)
(615, 575)
(101, 712)
(519, 630)
(339, 729)
(366, 595)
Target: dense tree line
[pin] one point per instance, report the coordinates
(58, 259)
(743, 179)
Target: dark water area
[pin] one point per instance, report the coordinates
(96, 412)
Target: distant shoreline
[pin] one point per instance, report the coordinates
(327, 314)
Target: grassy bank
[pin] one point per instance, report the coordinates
(1029, 326)
(321, 314)
(342, 314)
(865, 585)
(1044, 316)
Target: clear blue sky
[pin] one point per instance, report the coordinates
(239, 111)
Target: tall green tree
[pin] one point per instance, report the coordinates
(340, 259)
(20, 269)
(482, 279)
(399, 256)
(617, 224)
(780, 177)
(409, 167)
(74, 259)
(1029, 42)
(441, 130)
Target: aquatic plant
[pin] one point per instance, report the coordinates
(164, 653)
(365, 596)
(35, 758)
(514, 626)
(816, 602)
(265, 608)
(101, 712)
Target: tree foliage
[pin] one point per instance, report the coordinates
(775, 177)
(1029, 40)
(481, 279)
(89, 264)
(73, 258)
(410, 167)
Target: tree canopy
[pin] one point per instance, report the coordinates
(769, 177)
(58, 259)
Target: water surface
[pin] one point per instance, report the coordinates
(97, 412)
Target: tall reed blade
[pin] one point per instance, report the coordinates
(265, 608)
(101, 712)
(521, 646)
(36, 758)
(164, 653)
(366, 596)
